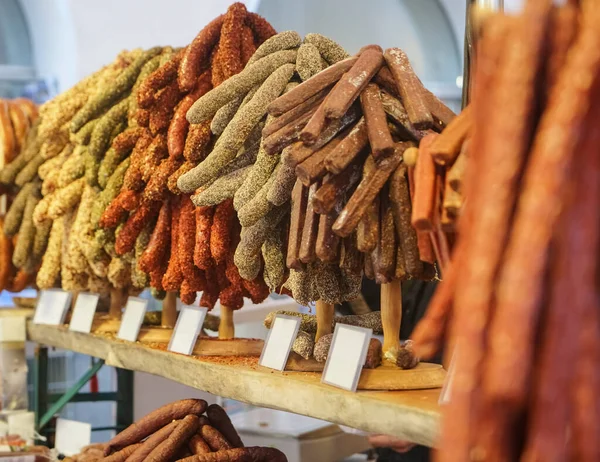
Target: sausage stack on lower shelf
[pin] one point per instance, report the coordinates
(519, 305)
(186, 430)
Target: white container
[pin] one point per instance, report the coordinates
(13, 362)
(300, 438)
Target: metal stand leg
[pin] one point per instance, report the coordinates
(69, 394)
(46, 405)
(40, 381)
(125, 398)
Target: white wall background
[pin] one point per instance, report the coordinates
(104, 27)
(73, 38)
(421, 28)
(52, 32)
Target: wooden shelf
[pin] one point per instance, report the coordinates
(412, 415)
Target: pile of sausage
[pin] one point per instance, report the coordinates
(519, 305)
(260, 185)
(17, 127)
(182, 249)
(179, 431)
(99, 189)
(344, 134)
(235, 170)
(244, 163)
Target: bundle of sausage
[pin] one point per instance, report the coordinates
(180, 431)
(57, 176)
(239, 112)
(103, 157)
(17, 126)
(519, 304)
(17, 116)
(314, 170)
(344, 134)
(181, 249)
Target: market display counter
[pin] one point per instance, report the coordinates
(412, 414)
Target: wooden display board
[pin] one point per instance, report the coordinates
(411, 414)
(384, 377)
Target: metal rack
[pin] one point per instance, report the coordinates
(47, 405)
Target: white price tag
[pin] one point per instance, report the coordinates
(52, 307)
(189, 323)
(279, 342)
(22, 424)
(347, 356)
(12, 329)
(72, 436)
(132, 319)
(83, 313)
